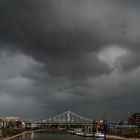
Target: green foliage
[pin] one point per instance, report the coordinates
(121, 123)
(10, 132)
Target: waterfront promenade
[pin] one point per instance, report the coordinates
(17, 135)
(111, 137)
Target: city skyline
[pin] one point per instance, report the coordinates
(82, 56)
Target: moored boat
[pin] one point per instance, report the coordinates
(79, 133)
(99, 135)
(88, 135)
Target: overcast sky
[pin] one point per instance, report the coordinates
(77, 55)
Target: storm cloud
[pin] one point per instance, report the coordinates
(64, 55)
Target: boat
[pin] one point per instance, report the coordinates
(99, 135)
(71, 132)
(79, 133)
(88, 135)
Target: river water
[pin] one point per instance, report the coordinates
(53, 136)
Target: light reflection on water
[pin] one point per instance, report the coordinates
(53, 136)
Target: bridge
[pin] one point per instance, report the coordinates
(65, 120)
(68, 117)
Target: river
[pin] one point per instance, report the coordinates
(53, 136)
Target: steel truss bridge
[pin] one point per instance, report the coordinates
(67, 119)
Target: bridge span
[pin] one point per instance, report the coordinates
(66, 120)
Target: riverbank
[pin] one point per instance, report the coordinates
(17, 135)
(22, 133)
(119, 138)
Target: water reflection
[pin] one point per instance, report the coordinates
(53, 136)
(32, 135)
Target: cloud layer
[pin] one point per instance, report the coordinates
(63, 55)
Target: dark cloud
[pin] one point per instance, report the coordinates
(69, 55)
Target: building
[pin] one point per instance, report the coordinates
(10, 122)
(135, 119)
(112, 125)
